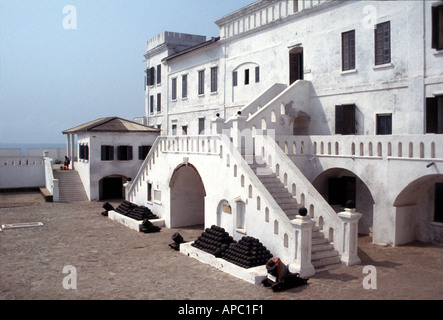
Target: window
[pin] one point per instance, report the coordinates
(150, 76)
(185, 86)
(201, 125)
(174, 129)
(174, 89)
(159, 102)
(201, 82)
(348, 50)
(438, 209)
(151, 104)
(247, 76)
(384, 124)
(185, 130)
(83, 152)
(345, 119)
(159, 74)
(434, 115)
(143, 152)
(437, 27)
(234, 79)
(107, 153)
(149, 192)
(124, 153)
(383, 43)
(214, 72)
(257, 74)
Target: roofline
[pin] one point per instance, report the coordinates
(191, 49)
(106, 120)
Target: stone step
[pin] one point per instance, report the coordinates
(328, 267)
(324, 254)
(322, 247)
(325, 261)
(322, 240)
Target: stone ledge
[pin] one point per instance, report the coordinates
(252, 275)
(132, 223)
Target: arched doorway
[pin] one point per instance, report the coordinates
(187, 195)
(418, 211)
(338, 185)
(111, 187)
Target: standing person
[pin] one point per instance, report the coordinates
(68, 162)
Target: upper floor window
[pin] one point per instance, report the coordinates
(348, 50)
(150, 76)
(383, 43)
(234, 78)
(384, 124)
(159, 74)
(201, 82)
(185, 86)
(174, 89)
(83, 151)
(159, 102)
(124, 152)
(257, 74)
(214, 76)
(143, 152)
(107, 153)
(345, 119)
(151, 104)
(246, 76)
(437, 27)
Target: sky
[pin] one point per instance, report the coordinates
(67, 62)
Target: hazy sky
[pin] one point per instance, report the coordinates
(54, 77)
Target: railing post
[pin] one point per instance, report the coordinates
(238, 125)
(349, 238)
(218, 124)
(303, 245)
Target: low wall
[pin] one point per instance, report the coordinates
(21, 172)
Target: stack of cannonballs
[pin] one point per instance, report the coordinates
(134, 211)
(248, 252)
(214, 240)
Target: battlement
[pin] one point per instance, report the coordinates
(174, 39)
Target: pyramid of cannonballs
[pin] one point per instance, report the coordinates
(134, 211)
(248, 252)
(214, 240)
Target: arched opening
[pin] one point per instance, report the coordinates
(338, 185)
(419, 211)
(111, 187)
(301, 124)
(187, 197)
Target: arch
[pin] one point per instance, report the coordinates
(187, 197)
(337, 185)
(222, 208)
(414, 211)
(111, 187)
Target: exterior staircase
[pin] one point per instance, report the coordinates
(70, 186)
(323, 254)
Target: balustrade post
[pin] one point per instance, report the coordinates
(238, 125)
(349, 237)
(218, 124)
(303, 225)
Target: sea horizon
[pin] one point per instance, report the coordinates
(25, 146)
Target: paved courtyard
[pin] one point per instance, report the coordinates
(114, 262)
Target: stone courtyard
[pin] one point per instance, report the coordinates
(115, 262)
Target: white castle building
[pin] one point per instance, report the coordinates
(296, 104)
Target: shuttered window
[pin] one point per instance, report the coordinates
(150, 76)
(107, 153)
(124, 153)
(214, 79)
(257, 74)
(384, 124)
(174, 89)
(383, 43)
(151, 104)
(247, 76)
(159, 74)
(437, 27)
(143, 152)
(234, 78)
(434, 115)
(159, 102)
(185, 86)
(345, 119)
(201, 82)
(348, 50)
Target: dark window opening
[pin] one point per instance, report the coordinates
(384, 124)
(296, 65)
(174, 129)
(184, 86)
(214, 76)
(434, 115)
(159, 102)
(124, 153)
(150, 76)
(257, 74)
(107, 153)
(201, 82)
(345, 119)
(185, 130)
(159, 74)
(174, 89)
(247, 76)
(437, 27)
(151, 104)
(234, 78)
(150, 192)
(201, 125)
(83, 152)
(143, 152)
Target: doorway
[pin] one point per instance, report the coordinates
(111, 188)
(295, 64)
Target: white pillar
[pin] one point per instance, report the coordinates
(72, 150)
(303, 245)
(68, 145)
(349, 239)
(218, 125)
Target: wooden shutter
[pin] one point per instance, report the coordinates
(152, 72)
(234, 78)
(103, 152)
(184, 86)
(214, 79)
(435, 27)
(431, 115)
(159, 74)
(129, 149)
(348, 50)
(383, 43)
(257, 74)
(148, 77)
(339, 119)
